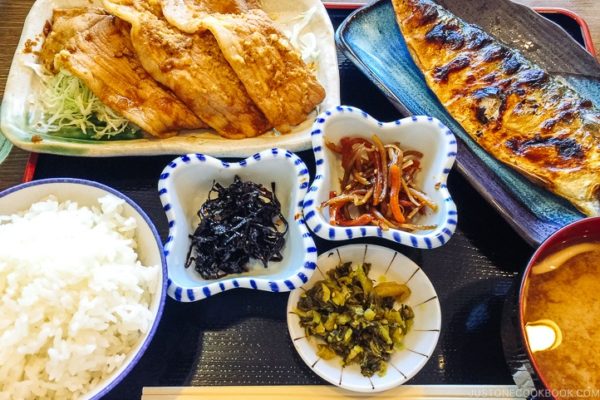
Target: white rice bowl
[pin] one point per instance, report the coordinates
(76, 302)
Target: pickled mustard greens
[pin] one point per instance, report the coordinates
(356, 319)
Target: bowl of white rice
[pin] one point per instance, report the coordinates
(82, 288)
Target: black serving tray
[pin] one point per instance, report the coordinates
(240, 337)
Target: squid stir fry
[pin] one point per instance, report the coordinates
(378, 186)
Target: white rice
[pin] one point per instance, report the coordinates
(74, 298)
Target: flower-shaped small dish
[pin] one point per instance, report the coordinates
(424, 134)
(419, 342)
(184, 186)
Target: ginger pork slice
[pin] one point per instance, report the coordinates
(66, 23)
(103, 58)
(193, 66)
(187, 14)
(273, 72)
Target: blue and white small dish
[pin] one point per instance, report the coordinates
(184, 186)
(424, 134)
(419, 342)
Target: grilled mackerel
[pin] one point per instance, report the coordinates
(526, 118)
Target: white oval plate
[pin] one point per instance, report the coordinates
(23, 86)
(419, 342)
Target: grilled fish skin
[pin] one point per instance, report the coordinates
(523, 116)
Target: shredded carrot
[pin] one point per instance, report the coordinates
(364, 219)
(394, 192)
(378, 186)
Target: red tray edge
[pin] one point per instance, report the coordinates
(30, 167)
(29, 172)
(585, 29)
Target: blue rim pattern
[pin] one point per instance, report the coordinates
(301, 273)
(104, 391)
(320, 226)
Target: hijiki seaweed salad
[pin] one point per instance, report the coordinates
(241, 223)
(355, 319)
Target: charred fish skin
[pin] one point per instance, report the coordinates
(523, 116)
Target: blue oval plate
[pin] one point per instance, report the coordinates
(370, 37)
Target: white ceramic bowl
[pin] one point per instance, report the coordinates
(183, 188)
(420, 341)
(424, 134)
(150, 249)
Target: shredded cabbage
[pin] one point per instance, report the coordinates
(67, 104)
(306, 42)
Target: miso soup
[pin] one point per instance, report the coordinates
(567, 297)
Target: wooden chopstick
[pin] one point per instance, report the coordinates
(327, 392)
